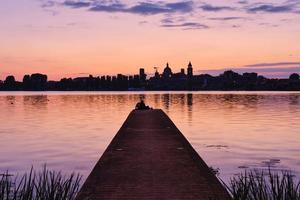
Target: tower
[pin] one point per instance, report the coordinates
(142, 74)
(182, 71)
(190, 70)
(156, 75)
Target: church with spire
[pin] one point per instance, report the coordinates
(168, 74)
(169, 79)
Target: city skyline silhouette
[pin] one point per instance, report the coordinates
(185, 79)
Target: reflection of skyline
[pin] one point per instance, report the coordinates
(294, 99)
(182, 103)
(190, 107)
(185, 103)
(63, 127)
(10, 99)
(36, 101)
(156, 100)
(166, 101)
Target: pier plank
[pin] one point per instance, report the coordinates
(149, 158)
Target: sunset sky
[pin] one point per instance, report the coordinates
(80, 37)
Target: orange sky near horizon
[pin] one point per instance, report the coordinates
(75, 42)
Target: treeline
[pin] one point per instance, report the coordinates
(229, 80)
(39, 82)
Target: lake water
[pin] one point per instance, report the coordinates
(70, 130)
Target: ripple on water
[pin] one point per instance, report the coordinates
(232, 131)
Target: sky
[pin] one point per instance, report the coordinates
(71, 38)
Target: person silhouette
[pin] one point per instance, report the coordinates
(141, 106)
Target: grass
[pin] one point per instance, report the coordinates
(39, 185)
(51, 185)
(264, 185)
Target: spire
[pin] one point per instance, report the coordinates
(167, 65)
(190, 70)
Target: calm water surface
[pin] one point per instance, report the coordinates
(230, 130)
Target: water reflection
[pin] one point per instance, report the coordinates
(36, 102)
(294, 99)
(69, 131)
(10, 100)
(166, 101)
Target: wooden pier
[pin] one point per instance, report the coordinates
(149, 158)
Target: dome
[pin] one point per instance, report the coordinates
(167, 71)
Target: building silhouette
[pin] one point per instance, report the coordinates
(167, 72)
(190, 70)
(143, 76)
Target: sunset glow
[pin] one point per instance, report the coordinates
(77, 38)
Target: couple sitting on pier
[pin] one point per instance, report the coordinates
(142, 106)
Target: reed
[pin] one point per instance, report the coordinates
(264, 185)
(52, 185)
(39, 185)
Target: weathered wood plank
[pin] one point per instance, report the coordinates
(149, 158)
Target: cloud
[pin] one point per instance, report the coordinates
(188, 9)
(236, 26)
(167, 21)
(48, 4)
(227, 18)
(186, 25)
(145, 8)
(273, 72)
(274, 69)
(143, 22)
(268, 24)
(115, 7)
(273, 64)
(270, 8)
(211, 8)
(242, 2)
(76, 4)
(186, 6)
